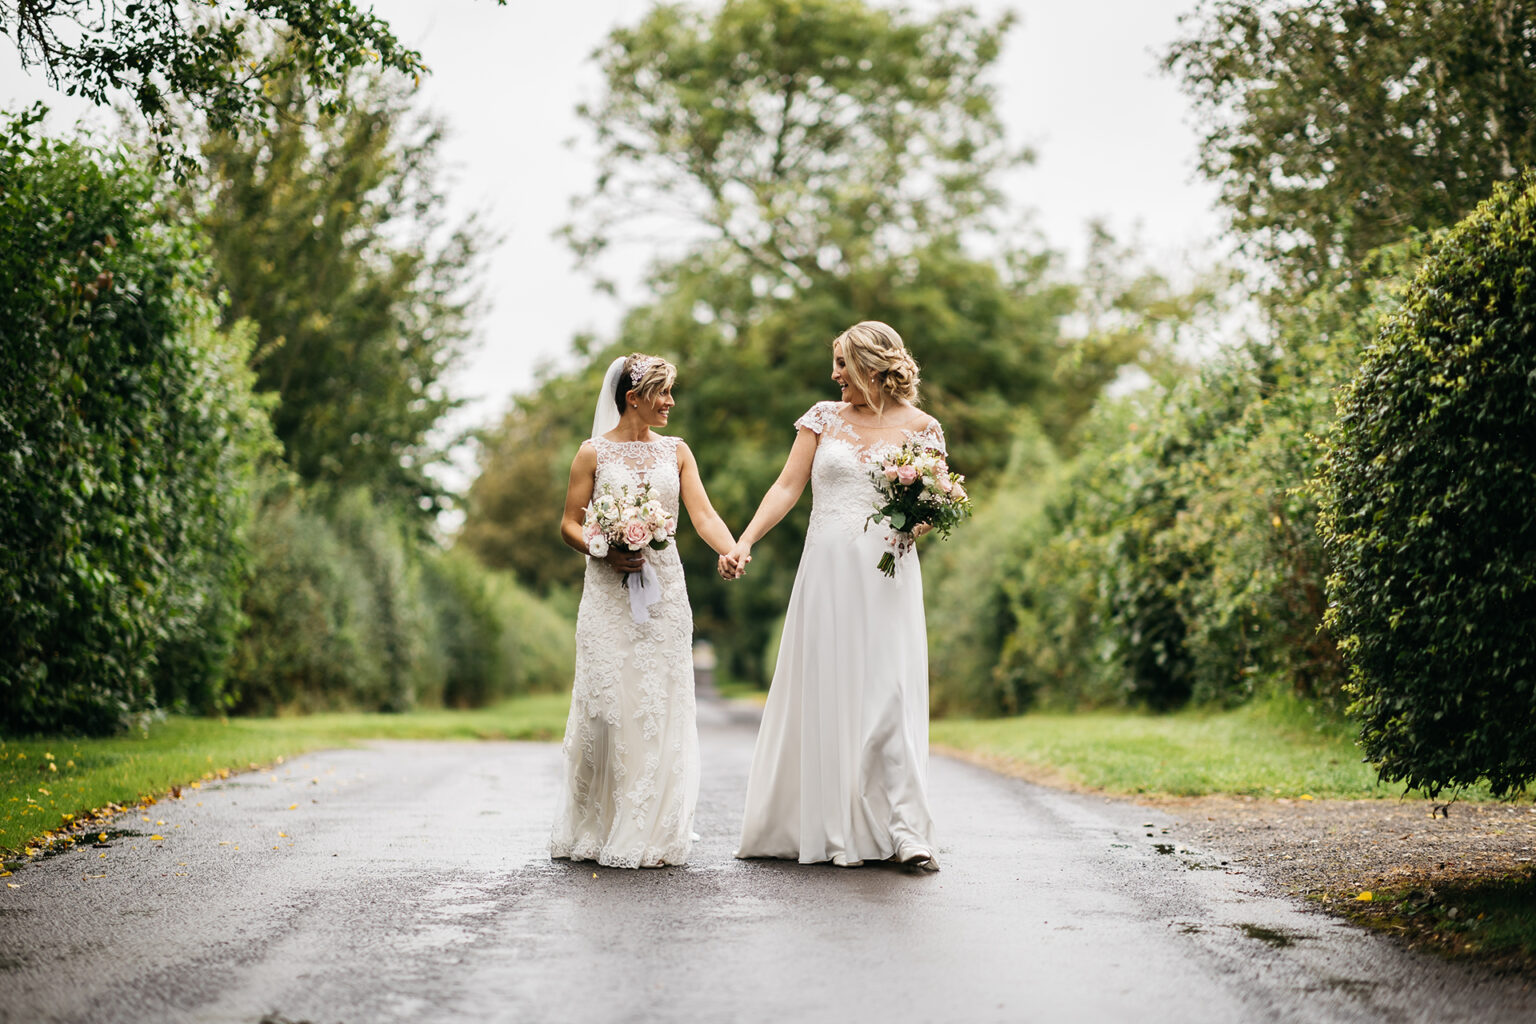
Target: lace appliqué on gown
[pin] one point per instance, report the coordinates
(842, 493)
(631, 745)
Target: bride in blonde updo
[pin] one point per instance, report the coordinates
(840, 769)
(873, 351)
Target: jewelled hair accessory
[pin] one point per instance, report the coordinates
(638, 370)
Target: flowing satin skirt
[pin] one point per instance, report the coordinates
(839, 772)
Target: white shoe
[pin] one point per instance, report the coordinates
(918, 859)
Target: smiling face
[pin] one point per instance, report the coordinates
(842, 374)
(654, 409)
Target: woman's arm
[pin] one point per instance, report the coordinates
(706, 521)
(781, 497)
(578, 495)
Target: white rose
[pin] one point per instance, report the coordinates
(597, 547)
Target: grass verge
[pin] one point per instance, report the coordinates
(1488, 920)
(52, 784)
(1274, 748)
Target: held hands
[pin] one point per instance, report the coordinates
(733, 564)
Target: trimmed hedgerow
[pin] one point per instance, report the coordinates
(128, 438)
(1429, 514)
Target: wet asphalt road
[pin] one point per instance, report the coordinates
(410, 882)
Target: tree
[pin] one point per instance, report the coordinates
(327, 231)
(212, 56)
(809, 137)
(1338, 126)
(819, 163)
(1427, 494)
(130, 437)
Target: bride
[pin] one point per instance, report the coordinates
(839, 770)
(631, 744)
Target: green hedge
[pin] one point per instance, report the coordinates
(1429, 488)
(1174, 557)
(349, 608)
(128, 436)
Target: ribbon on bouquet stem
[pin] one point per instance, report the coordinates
(644, 591)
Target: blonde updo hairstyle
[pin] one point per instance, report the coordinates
(658, 376)
(879, 363)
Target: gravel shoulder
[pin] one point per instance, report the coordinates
(1420, 861)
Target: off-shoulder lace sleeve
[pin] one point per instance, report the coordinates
(930, 434)
(817, 418)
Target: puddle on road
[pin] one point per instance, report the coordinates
(1272, 936)
(1163, 848)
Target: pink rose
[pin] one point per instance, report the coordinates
(636, 535)
(906, 474)
(946, 483)
(942, 467)
(890, 472)
(671, 527)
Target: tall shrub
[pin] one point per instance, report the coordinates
(1428, 490)
(124, 438)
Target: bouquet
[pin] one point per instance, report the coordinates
(635, 518)
(916, 487)
(632, 517)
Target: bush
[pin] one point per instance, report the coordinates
(538, 643)
(974, 583)
(467, 627)
(348, 608)
(1428, 493)
(128, 434)
(307, 645)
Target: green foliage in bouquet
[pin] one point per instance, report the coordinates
(1428, 495)
(919, 490)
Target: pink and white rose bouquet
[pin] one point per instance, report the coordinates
(632, 517)
(916, 489)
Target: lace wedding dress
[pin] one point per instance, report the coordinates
(839, 771)
(631, 743)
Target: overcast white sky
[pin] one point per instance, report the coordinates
(1078, 81)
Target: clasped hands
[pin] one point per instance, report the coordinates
(733, 564)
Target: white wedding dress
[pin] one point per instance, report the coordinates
(840, 769)
(631, 743)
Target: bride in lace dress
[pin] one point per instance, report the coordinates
(839, 770)
(631, 744)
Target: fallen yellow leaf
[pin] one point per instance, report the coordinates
(282, 835)
(292, 806)
(101, 837)
(160, 823)
(157, 838)
(12, 885)
(1365, 897)
(1306, 796)
(52, 767)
